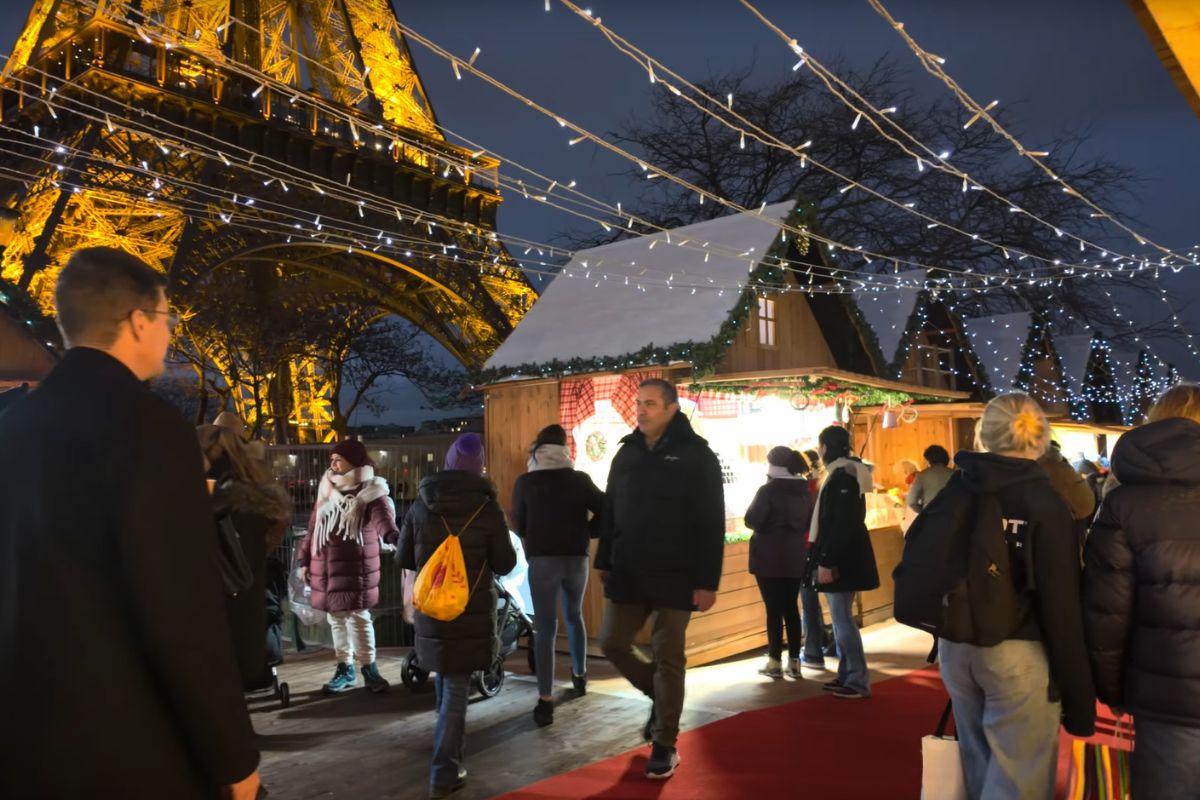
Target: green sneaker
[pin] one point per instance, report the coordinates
(342, 680)
(375, 682)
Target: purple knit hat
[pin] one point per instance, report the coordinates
(353, 451)
(466, 454)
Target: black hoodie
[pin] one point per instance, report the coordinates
(1141, 588)
(1040, 533)
(663, 527)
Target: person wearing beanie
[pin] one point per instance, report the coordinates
(556, 512)
(842, 561)
(779, 515)
(339, 559)
(460, 501)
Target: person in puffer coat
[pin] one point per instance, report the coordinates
(461, 501)
(779, 515)
(339, 559)
(1141, 594)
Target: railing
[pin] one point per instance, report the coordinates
(299, 469)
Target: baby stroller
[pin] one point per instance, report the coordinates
(512, 623)
(276, 591)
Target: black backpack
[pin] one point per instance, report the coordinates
(955, 578)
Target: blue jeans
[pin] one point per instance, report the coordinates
(852, 666)
(1166, 760)
(450, 736)
(1007, 726)
(550, 577)
(813, 624)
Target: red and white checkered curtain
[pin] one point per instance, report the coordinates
(576, 402)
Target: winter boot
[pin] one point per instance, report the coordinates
(580, 684)
(375, 682)
(342, 681)
(543, 712)
(773, 669)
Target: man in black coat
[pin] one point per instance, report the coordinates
(660, 554)
(110, 599)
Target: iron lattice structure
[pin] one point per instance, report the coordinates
(116, 122)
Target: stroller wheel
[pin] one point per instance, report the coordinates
(490, 680)
(285, 695)
(411, 674)
(531, 643)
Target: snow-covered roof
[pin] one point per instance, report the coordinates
(1073, 353)
(598, 316)
(998, 342)
(887, 312)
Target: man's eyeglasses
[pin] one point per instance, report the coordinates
(172, 316)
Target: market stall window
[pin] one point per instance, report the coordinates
(766, 322)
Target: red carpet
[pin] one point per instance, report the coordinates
(818, 747)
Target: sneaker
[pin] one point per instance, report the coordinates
(773, 669)
(375, 682)
(435, 793)
(793, 669)
(342, 680)
(648, 728)
(580, 684)
(831, 686)
(662, 763)
(543, 712)
(846, 693)
(813, 663)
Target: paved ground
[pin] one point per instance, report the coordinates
(365, 746)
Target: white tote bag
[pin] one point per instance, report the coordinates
(941, 766)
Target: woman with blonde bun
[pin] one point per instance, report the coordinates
(1141, 594)
(1010, 698)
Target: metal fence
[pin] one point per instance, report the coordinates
(298, 468)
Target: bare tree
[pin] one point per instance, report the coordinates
(681, 139)
(247, 327)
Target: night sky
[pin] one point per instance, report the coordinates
(1059, 66)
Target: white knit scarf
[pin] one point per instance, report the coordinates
(550, 456)
(341, 502)
(783, 473)
(862, 472)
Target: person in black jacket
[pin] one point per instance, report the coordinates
(461, 501)
(779, 515)
(551, 506)
(1141, 594)
(841, 562)
(1009, 698)
(108, 562)
(260, 510)
(660, 555)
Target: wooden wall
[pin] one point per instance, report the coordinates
(799, 341)
(513, 415)
(953, 430)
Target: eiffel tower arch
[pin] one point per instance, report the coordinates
(209, 136)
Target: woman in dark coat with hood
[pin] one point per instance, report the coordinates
(459, 499)
(1141, 594)
(259, 509)
(780, 515)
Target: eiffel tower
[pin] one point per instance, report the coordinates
(206, 136)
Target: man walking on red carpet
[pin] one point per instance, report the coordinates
(662, 541)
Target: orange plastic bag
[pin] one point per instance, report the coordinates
(441, 590)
